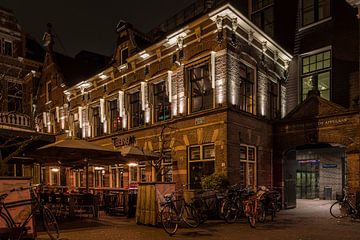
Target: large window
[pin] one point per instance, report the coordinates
(200, 88)
(316, 72)
(273, 100)
(137, 115)
(115, 119)
(201, 163)
(97, 124)
(161, 102)
(314, 11)
(246, 88)
(15, 94)
(263, 15)
(247, 166)
(117, 176)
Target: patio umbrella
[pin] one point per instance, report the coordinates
(135, 153)
(77, 151)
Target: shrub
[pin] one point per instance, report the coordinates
(214, 181)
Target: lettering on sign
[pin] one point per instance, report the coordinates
(123, 141)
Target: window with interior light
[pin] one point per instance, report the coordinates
(136, 113)
(316, 70)
(263, 15)
(314, 11)
(201, 92)
(97, 124)
(115, 119)
(247, 166)
(201, 162)
(161, 102)
(247, 75)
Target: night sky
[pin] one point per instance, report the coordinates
(89, 24)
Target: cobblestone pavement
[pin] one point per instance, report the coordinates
(310, 220)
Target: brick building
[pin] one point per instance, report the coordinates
(263, 96)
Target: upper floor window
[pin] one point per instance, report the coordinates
(263, 15)
(15, 94)
(161, 102)
(316, 71)
(273, 100)
(48, 91)
(97, 124)
(200, 87)
(8, 48)
(314, 11)
(137, 115)
(246, 88)
(115, 119)
(124, 55)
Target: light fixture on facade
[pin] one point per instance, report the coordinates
(57, 113)
(80, 116)
(99, 168)
(102, 110)
(144, 55)
(132, 164)
(121, 103)
(55, 169)
(103, 76)
(169, 86)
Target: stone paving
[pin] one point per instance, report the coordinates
(310, 220)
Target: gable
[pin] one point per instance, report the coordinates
(315, 107)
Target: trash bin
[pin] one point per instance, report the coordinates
(327, 193)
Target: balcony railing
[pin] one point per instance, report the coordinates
(15, 119)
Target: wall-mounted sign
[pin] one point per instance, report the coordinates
(329, 165)
(123, 141)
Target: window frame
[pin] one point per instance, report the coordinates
(11, 53)
(316, 71)
(164, 102)
(247, 161)
(48, 91)
(201, 159)
(261, 11)
(200, 64)
(122, 60)
(243, 93)
(315, 13)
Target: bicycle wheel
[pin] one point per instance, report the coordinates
(252, 221)
(50, 223)
(339, 209)
(169, 219)
(230, 210)
(261, 213)
(5, 228)
(190, 216)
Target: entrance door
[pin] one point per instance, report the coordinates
(307, 179)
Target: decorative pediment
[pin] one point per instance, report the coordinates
(315, 107)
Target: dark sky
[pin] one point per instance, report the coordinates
(89, 24)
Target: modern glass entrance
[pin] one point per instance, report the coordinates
(307, 179)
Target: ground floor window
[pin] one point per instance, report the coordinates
(117, 176)
(166, 168)
(55, 176)
(201, 161)
(247, 166)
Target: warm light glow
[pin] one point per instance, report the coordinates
(55, 169)
(80, 116)
(102, 110)
(132, 164)
(105, 126)
(213, 54)
(147, 115)
(143, 95)
(169, 79)
(121, 103)
(144, 55)
(220, 91)
(124, 121)
(99, 168)
(102, 76)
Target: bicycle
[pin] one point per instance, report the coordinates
(14, 230)
(208, 204)
(254, 208)
(233, 207)
(172, 216)
(344, 207)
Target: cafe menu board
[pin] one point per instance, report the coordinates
(18, 213)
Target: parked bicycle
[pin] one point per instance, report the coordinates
(254, 208)
(233, 207)
(272, 203)
(208, 204)
(176, 211)
(16, 231)
(344, 208)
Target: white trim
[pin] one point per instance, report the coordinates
(315, 51)
(315, 24)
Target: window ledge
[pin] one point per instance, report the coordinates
(315, 24)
